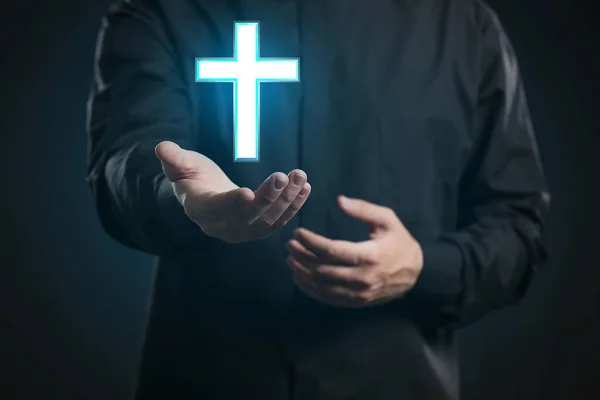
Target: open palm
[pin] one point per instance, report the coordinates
(220, 207)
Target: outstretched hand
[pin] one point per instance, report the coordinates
(221, 208)
(355, 275)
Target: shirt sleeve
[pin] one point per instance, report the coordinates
(499, 245)
(138, 99)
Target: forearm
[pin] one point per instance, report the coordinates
(136, 204)
(487, 265)
(138, 100)
(503, 203)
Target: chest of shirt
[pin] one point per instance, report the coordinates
(381, 110)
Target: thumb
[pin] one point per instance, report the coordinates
(177, 163)
(367, 212)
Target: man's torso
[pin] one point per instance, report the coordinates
(383, 112)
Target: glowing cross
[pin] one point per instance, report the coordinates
(246, 70)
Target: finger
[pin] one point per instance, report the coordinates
(301, 253)
(177, 163)
(340, 275)
(337, 251)
(331, 295)
(268, 219)
(293, 208)
(309, 287)
(367, 212)
(266, 194)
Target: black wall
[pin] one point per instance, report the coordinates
(73, 302)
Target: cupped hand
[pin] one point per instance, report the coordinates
(357, 274)
(224, 210)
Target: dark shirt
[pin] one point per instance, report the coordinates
(413, 105)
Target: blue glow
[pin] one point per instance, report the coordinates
(246, 70)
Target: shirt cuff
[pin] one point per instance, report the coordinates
(440, 283)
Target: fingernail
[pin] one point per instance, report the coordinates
(279, 184)
(303, 192)
(298, 179)
(344, 201)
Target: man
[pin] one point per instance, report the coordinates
(414, 111)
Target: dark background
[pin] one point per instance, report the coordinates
(73, 302)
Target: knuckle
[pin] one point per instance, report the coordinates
(369, 259)
(331, 252)
(368, 282)
(370, 255)
(289, 195)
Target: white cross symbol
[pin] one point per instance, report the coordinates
(246, 70)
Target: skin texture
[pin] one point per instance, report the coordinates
(222, 209)
(335, 272)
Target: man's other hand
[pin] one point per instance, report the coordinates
(355, 275)
(222, 209)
